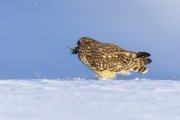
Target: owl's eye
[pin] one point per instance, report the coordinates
(78, 43)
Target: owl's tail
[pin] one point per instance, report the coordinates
(140, 61)
(144, 57)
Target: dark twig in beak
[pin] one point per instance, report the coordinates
(73, 50)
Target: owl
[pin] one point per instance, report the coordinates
(107, 60)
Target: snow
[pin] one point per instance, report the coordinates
(80, 99)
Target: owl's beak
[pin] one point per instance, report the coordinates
(74, 50)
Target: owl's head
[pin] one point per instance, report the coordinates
(84, 41)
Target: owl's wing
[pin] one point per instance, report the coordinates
(112, 57)
(106, 57)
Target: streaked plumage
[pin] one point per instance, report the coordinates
(107, 60)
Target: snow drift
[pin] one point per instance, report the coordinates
(80, 99)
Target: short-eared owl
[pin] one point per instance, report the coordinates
(107, 60)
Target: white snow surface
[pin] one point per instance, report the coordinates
(80, 99)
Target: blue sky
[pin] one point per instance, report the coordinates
(35, 35)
